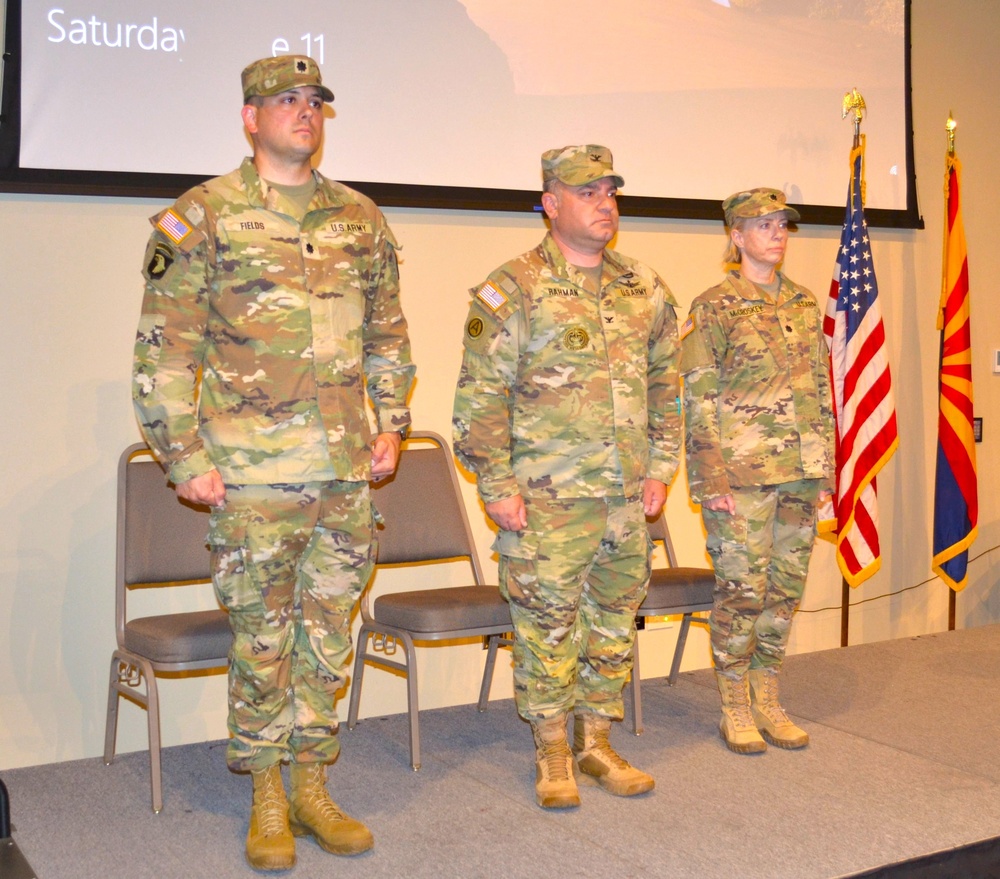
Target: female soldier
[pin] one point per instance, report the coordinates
(760, 458)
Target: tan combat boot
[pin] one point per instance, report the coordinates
(313, 813)
(768, 714)
(555, 787)
(737, 727)
(270, 845)
(595, 757)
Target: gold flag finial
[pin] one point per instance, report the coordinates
(854, 102)
(950, 127)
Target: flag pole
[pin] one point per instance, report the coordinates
(950, 127)
(956, 493)
(854, 104)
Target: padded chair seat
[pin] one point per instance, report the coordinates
(443, 610)
(678, 587)
(180, 637)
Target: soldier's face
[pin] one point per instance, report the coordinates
(287, 125)
(586, 217)
(763, 240)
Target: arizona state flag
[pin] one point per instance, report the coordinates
(956, 497)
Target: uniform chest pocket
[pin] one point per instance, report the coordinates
(338, 261)
(634, 307)
(568, 324)
(752, 344)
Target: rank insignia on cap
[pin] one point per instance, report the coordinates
(492, 297)
(173, 227)
(687, 327)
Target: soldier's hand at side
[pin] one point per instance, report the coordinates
(205, 489)
(654, 496)
(509, 513)
(385, 454)
(724, 504)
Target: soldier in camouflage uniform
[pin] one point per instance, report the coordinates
(567, 413)
(271, 306)
(759, 435)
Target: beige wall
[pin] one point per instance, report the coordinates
(71, 298)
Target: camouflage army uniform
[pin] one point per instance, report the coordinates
(570, 400)
(759, 427)
(258, 338)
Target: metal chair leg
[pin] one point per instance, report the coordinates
(412, 703)
(361, 652)
(153, 725)
(682, 633)
(111, 721)
(637, 726)
(491, 661)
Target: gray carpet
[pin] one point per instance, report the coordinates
(902, 763)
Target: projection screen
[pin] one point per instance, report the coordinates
(449, 103)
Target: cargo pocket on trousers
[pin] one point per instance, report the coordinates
(227, 539)
(518, 551)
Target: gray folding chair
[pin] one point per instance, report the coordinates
(672, 590)
(160, 543)
(425, 521)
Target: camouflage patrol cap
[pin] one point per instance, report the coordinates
(577, 165)
(272, 76)
(759, 202)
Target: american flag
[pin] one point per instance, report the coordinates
(862, 389)
(173, 227)
(491, 296)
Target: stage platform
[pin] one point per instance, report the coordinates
(901, 779)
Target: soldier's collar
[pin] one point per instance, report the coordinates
(612, 267)
(747, 289)
(256, 189)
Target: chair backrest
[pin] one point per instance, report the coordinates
(658, 531)
(160, 538)
(422, 508)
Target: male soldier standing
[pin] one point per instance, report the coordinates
(271, 303)
(759, 424)
(567, 413)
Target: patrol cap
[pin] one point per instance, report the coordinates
(272, 76)
(577, 165)
(759, 202)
